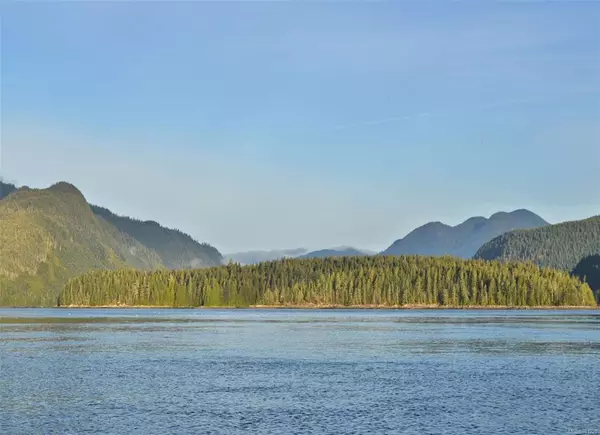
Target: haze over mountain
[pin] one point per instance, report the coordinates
(343, 251)
(49, 235)
(254, 257)
(176, 249)
(560, 246)
(463, 240)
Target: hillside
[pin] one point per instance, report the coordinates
(176, 249)
(335, 252)
(345, 281)
(50, 235)
(559, 246)
(254, 257)
(437, 239)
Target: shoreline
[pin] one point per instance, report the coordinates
(342, 307)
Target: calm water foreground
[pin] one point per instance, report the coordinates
(158, 371)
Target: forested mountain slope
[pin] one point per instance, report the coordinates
(50, 235)
(176, 249)
(560, 246)
(436, 238)
(379, 280)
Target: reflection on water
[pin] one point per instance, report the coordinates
(298, 371)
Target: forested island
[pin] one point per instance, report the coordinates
(341, 281)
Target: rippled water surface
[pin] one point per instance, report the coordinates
(149, 371)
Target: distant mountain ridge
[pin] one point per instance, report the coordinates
(560, 246)
(176, 249)
(255, 257)
(344, 251)
(463, 240)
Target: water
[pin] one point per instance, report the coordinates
(155, 371)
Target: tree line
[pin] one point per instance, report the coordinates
(344, 281)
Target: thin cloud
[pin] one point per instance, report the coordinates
(468, 109)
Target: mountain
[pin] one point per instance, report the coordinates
(559, 246)
(345, 251)
(50, 235)
(176, 249)
(588, 270)
(436, 238)
(255, 257)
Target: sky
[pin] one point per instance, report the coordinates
(265, 125)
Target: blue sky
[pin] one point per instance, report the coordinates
(258, 125)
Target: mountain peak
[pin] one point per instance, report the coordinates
(521, 213)
(463, 240)
(475, 219)
(436, 225)
(63, 186)
(498, 215)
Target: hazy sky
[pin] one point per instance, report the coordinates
(259, 125)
